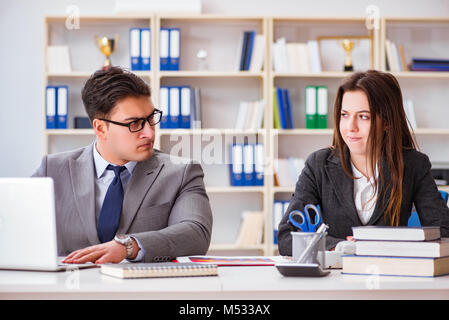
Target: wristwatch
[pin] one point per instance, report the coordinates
(125, 240)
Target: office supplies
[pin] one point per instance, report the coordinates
(145, 49)
(396, 233)
(159, 270)
(28, 221)
(306, 223)
(134, 49)
(175, 52)
(248, 164)
(259, 164)
(311, 246)
(62, 105)
(50, 107)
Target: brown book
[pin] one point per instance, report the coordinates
(402, 57)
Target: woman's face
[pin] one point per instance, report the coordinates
(355, 122)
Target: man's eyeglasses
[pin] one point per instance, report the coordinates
(138, 124)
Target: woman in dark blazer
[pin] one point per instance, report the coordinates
(372, 174)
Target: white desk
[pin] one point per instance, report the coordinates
(232, 283)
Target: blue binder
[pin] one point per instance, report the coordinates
(259, 164)
(164, 48)
(62, 95)
(245, 44)
(145, 49)
(175, 49)
(236, 165)
(174, 107)
(134, 48)
(281, 108)
(50, 107)
(186, 107)
(248, 165)
(288, 109)
(249, 52)
(164, 102)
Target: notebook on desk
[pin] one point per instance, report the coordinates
(28, 226)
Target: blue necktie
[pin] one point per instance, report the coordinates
(112, 207)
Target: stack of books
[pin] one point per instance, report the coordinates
(282, 109)
(398, 251)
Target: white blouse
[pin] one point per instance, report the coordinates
(364, 196)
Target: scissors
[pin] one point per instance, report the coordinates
(306, 224)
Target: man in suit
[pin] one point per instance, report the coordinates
(118, 197)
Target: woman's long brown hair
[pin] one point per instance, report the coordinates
(389, 134)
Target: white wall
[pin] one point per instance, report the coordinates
(21, 56)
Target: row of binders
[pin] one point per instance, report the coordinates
(296, 57)
(279, 209)
(395, 57)
(56, 105)
(316, 102)
(282, 109)
(140, 48)
(180, 106)
(251, 51)
(247, 164)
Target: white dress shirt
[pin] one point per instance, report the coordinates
(103, 180)
(364, 196)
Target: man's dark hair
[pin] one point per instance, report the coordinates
(105, 88)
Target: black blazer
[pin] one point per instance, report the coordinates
(323, 181)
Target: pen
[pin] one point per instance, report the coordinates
(319, 234)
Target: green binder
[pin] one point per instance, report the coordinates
(322, 106)
(311, 109)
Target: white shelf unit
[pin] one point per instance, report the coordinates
(423, 38)
(299, 142)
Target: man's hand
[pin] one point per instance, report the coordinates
(108, 252)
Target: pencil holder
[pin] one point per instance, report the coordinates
(302, 240)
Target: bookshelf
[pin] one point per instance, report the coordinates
(223, 87)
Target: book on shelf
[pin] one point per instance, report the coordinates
(287, 170)
(158, 270)
(279, 209)
(296, 57)
(395, 56)
(410, 113)
(250, 115)
(396, 233)
(428, 64)
(425, 249)
(250, 51)
(395, 266)
(282, 118)
(251, 229)
(58, 59)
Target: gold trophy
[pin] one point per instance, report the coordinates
(348, 45)
(107, 46)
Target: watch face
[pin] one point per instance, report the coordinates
(121, 236)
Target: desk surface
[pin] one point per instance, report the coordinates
(232, 283)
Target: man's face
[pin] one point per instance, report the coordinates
(118, 145)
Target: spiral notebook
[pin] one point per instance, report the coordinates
(159, 270)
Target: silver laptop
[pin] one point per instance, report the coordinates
(28, 226)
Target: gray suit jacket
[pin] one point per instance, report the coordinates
(165, 204)
(323, 181)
